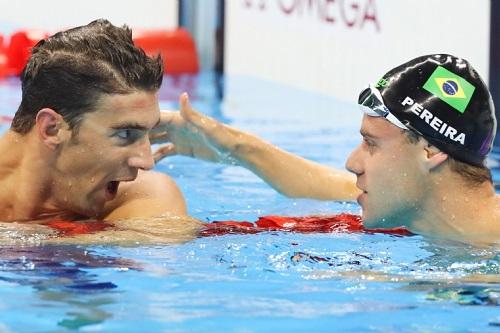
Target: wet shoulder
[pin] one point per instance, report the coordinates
(150, 194)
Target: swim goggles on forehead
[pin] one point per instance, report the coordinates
(370, 102)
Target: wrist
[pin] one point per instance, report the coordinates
(249, 150)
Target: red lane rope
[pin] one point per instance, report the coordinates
(342, 223)
(73, 228)
(307, 224)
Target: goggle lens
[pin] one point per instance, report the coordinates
(371, 102)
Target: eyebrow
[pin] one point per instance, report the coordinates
(365, 134)
(134, 125)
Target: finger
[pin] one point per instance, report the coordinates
(191, 115)
(167, 117)
(164, 151)
(186, 109)
(158, 137)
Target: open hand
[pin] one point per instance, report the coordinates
(190, 133)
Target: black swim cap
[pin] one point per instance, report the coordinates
(445, 100)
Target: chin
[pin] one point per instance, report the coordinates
(382, 221)
(373, 221)
(370, 222)
(92, 209)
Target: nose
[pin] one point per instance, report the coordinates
(142, 157)
(354, 162)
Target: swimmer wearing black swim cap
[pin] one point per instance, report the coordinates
(427, 129)
(422, 166)
(443, 99)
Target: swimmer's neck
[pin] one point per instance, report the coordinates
(461, 212)
(25, 178)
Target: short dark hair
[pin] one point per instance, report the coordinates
(472, 174)
(70, 70)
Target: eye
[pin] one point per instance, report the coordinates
(370, 144)
(123, 134)
(128, 135)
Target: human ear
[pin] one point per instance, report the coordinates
(435, 157)
(50, 127)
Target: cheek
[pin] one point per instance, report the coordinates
(407, 170)
(381, 168)
(407, 185)
(87, 159)
(391, 175)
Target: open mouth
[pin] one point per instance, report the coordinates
(112, 189)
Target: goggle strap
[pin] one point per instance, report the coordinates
(391, 118)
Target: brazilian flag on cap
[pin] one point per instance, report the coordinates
(450, 88)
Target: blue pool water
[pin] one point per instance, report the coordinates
(268, 282)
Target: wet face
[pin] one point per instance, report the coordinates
(390, 172)
(110, 146)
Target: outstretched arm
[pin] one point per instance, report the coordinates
(194, 134)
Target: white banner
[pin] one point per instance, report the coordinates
(336, 47)
(54, 15)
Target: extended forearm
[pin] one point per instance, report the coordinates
(290, 174)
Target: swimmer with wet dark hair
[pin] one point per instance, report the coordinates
(428, 127)
(79, 147)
